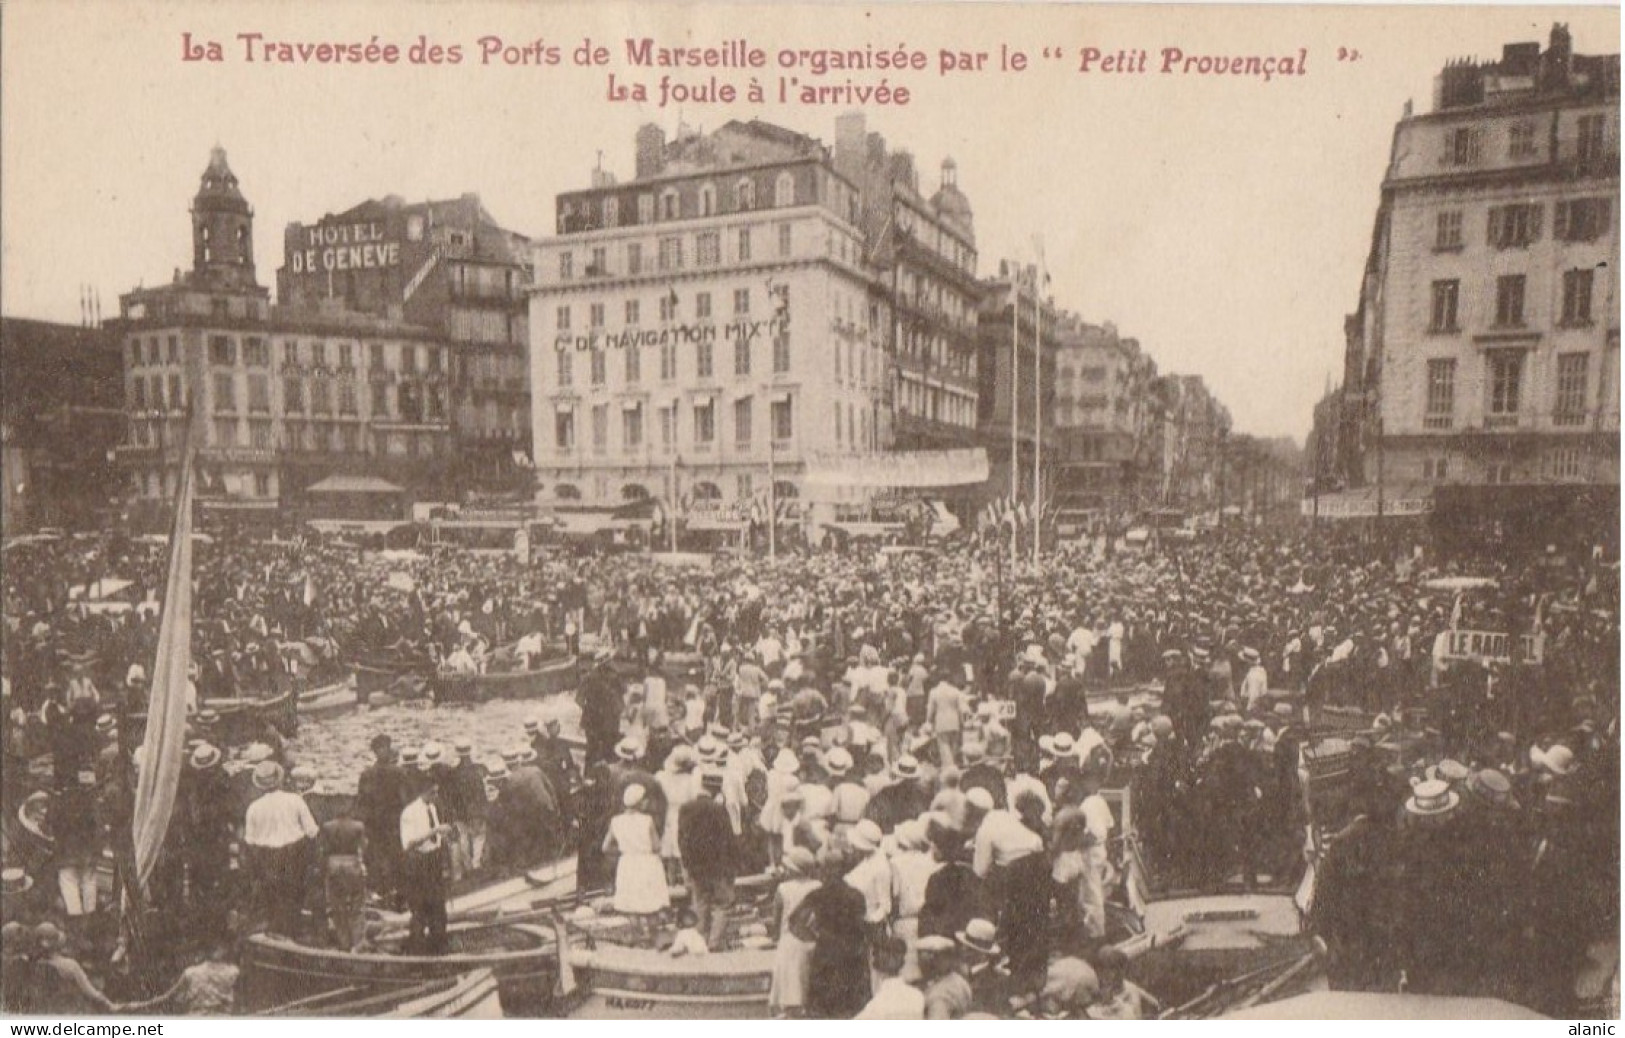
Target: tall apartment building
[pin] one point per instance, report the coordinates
(284, 396)
(1489, 321)
(1016, 388)
(1102, 419)
(448, 266)
(706, 327)
(924, 252)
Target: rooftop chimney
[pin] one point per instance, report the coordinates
(850, 135)
(651, 150)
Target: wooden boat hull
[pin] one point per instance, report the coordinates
(328, 701)
(550, 679)
(242, 719)
(523, 959)
(618, 983)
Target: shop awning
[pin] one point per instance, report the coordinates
(1397, 500)
(900, 469)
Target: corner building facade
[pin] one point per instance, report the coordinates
(1497, 293)
(707, 327)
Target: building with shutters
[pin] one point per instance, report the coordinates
(705, 328)
(283, 396)
(1484, 357)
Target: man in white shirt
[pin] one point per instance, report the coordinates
(276, 831)
(872, 876)
(894, 998)
(1255, 685)
(1097, 818)
(423, 867)
(1001, 840)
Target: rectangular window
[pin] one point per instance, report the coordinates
(409, 359)
(668, 426)
(158, 393)
(741, 300)
(262, 484)
(1577, 297)
(1446, 294)
(704, 358)
(595, 315)
(347, 402)
(225, 432)
(1435, 468)
(742, 422)
(256, 353)
(566, 371)
(634, 364)
(380, 401)
(1522, 138)
(138, 393)
(783, 428)
(346, 355)
(702, 305)
(177, 399)
(321, 399)
(432, 358)
(567, 265)
(600, 428)
(564, 430)
(744, 244)
(632, 427)
(837, 424)
(225, 393)
(671, 253)
(1593, 140)
(1505, 385)
(221, 350)
(668, 307)
(598, 366)
(599, 266)
(634, 258)
(1441, 390)
(784, 239)
(1448, 234)
(1509, 301)
(375, 356)
(259, 394)
(174, 350)
(668, 361)
(646, 208)
(318, 354)
(1572, 372)
(1514, 226)
(1462, 146)
(741, 356)
(705, 429)
(708, 249)
(1565, 463)
(781, 353)
(259, 435)
(632, 311)
(1581, 219)
(743, 485)
(561, 318)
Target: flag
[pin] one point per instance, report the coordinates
(1455, 613)
(309, 595)
(164, 747)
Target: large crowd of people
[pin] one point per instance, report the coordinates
(925, 750)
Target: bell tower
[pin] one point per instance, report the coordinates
(222, 229)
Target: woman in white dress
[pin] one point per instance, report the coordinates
(793, 959)
(680, 780)
(780, 781)
(640, 880)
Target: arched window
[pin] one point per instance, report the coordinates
(567, 492)
(745, 194)
(707, 492)
(634, 492)
(784, 190)
(708, 199)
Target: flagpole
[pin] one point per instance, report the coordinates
(1038, 407)
(1015, 403)
(671, 502)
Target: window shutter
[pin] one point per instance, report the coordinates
(1561, 219)
(1494, 231)
(1535, 212)
(1599, 212)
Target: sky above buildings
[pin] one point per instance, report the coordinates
(1221, 220)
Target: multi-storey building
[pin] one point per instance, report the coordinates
(1103, 419)
(448, 266)
(282, 396)
(1490, 319)
(1016, 387)
(924, 252)
(61, 420)
(706, 327)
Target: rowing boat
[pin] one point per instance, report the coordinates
(618, 983)
(522, 958)
(548, 680)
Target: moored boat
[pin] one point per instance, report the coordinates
(549, 679)
(522, 958)
(618, 982)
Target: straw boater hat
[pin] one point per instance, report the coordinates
(865, 837)
(205, 757)
(302, 778)
(15, 881)
(533, 726)
(980, 799)
(267, 776)
(906, 767)
(1063, 745)
(1249, 654)
(839, 762)
(136, 675)
(737, 741)
(1432, 798)
(934, 944)
(979, 936)
(1558, 759)
(464, 748)
(627, 750)
(1492, 786)
(799, 861)
(105, 725)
